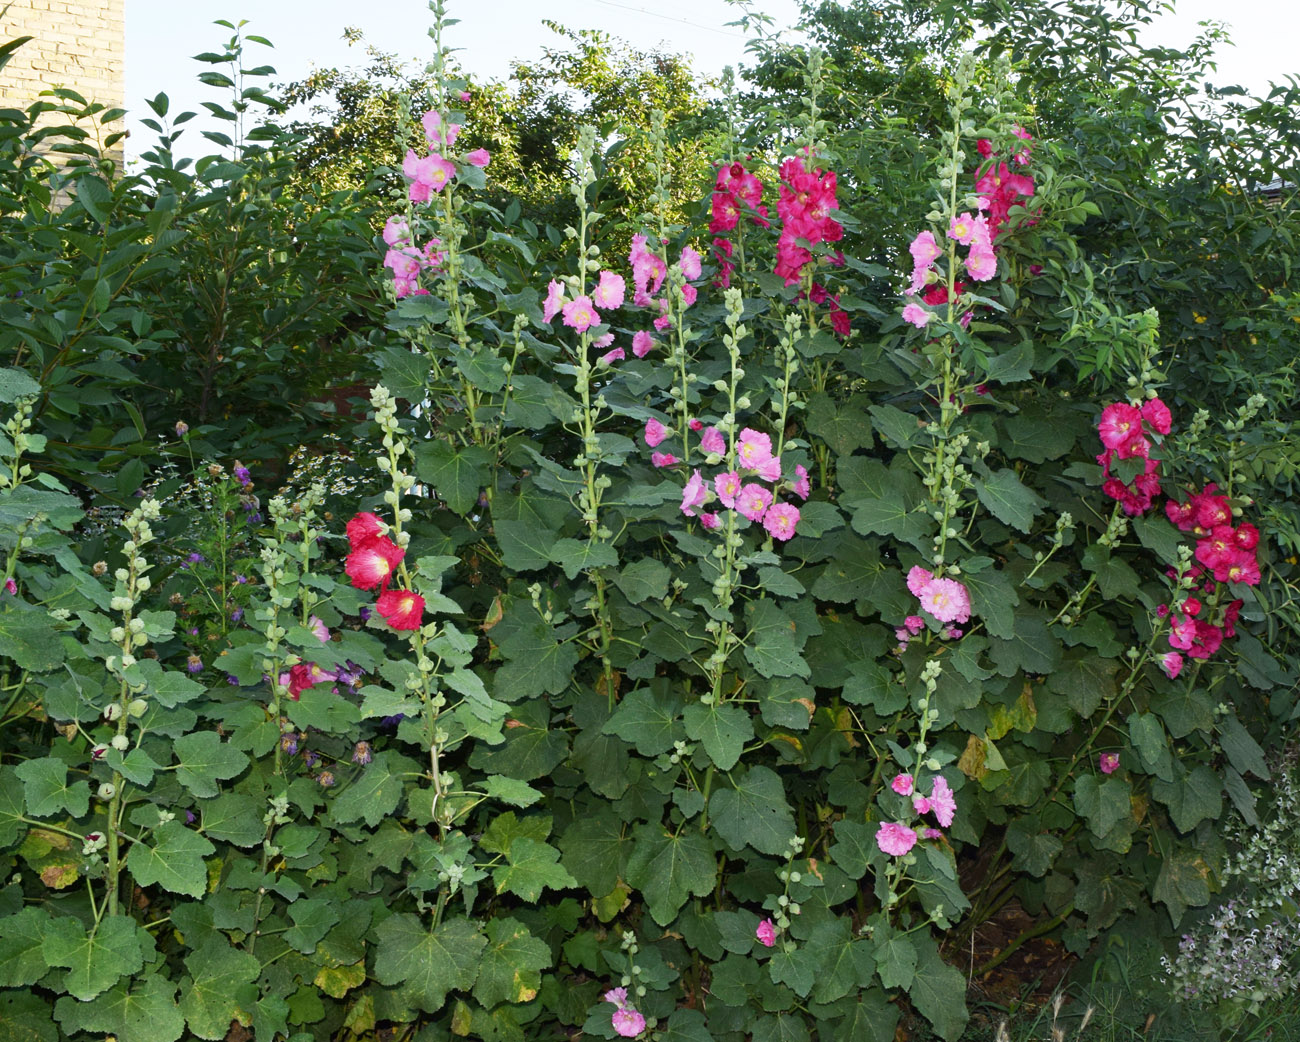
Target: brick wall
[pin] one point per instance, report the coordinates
(80, 44)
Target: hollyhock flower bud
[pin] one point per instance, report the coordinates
(480, 157)
(655, 432)
(1172, 663)
(1157, 414)
(902, 783)
(662, 459)
(695, 424)
(401, 609)
(709, 521)
(766, 933)
(895, 839)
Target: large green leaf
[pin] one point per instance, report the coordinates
(649, 718)
(377, 792)
(754, 813)
(723, 730)
(219, 988)
(1192, 798)
(46, 788)
(22, 961)
(1009, 499)
(174, 860)
(430, 963)
(531, 867)
(95, 960)
(511, 965)
(148, 1010)
(939, 993)
(204, 759)
(668, 869)
(456, 472)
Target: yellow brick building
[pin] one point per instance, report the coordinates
(79, 44)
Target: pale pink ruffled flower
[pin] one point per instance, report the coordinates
(770, 469)
(690, 263)
(920, 804)
(895, 839)
(628, 1022)
(753, 449)
(802, 486)
(947, 600)
(753, 501)
(981, 264)
(914, 623)
(712, 441)
(766, 933)
(319, 629)
(916, 315)
(554, 300)
(580, 314)
(902, 784)
(609, 291)
(727, 486)
(780, 520)
(942, 801)
(918, 579)
(396, 231)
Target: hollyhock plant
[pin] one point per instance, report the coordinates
(401, 609)
(895, 839)
(627, 1022)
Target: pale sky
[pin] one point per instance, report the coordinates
(163, 35)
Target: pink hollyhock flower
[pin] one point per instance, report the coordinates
(780, 520)
(603, 341)
(916, 315)
(918, 579)
(1182, 632)
(709, 521)
(464, 96)
(753, 449)
(914, 623)
(364, 527)
(902, 783)
(952, 633)
(1211, 510)
(1192, 606)
(895, 839)
(770, 470)
(319, 630)
(1230, 616)
(396, 231)
(689, 294)
(642, 343)
(802, 486)
(1207, 640)
(712, 442)
(924, 249)
(554, 299)
(942, 801)
(695, 423)
(480, 157)
(662, 459)
(933, 834)
(727, 486)
(655, 432)
(753, 501)
(661, 323)
(947, 600)
(964, 228)
(920, 804)
(1119, 423)
(580, 314)
(428, 175)
(1157, 414)
(766, 933)
(618, 996)
(610, 290)
(695, 494)
(1172, 663)
(1108, 763)
(11, 587)
(303, 676)
(1243, 569)
(610, 357)
(628, 1022)
(981, 264)
(1246, 537)
(690, 263)
(401, 609)
(900, 632)
(371, 564)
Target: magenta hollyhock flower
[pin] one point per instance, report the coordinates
(364, 527)
(895, 839)
(753, 501)
(695, 494)
(662, 459)
(753, 448)
(709, 521)
(766, 933)
(802, 486)
(981, 264)
(914, 623)
(920, 804)
(554, 300)
(1119, 424)
(770, 470)
(942, 801)
(712, 442)
(628, 1022)
(661, 323)
(610, 357)
(695, 424)
(655, 432)
(902, 783)
(401, 609)
(916, 315)
(727, 486)
(689, 295)
(947, 600)
(609, 291)
(780, 520)
(1157, 414)
(1108, 763)
(1246, 536)
(690, 263)
(580, 314)
(642, 343)
(480, 157)
(918, 579)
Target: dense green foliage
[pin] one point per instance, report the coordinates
(261, 765)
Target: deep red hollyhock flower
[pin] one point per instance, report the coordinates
(372, 563)
(401, 609)
(363, 528)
